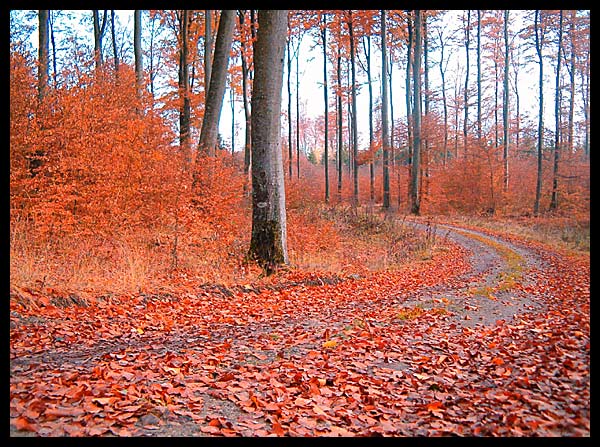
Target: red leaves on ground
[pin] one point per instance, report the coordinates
(334, 359)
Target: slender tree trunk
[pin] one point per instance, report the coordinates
(98, 34)
(466, 120)
(409, 63)
(571, 67)
(340, 134)
(444, 99)
(184, 87)
(208, 38)
(43, 50)
(585, 85)
(557, 133)
(325, 100)
(505, 105)
(289, 88)
(248, 142)
(53, 43)
(539, 40)
(298, 110)
(414, 192)
(137, 50)
(385, 137)
(268, 245)
(114, 43)
(232, 102)
(367, 48)
(214, 101)
(354, 120)
(426, 155)
(479, 76)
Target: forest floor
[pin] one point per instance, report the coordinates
(489, 335)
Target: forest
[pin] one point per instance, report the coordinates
(299, 223)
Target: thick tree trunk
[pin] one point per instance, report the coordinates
(268, 245)
(214, 100)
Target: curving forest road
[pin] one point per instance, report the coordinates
(489, 338)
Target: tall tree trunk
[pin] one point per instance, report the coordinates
(325, 100)
(290, 130)
(426, 155)
(209, 134)
(184, 87)
(585, 86)
(367, 48)
(571, 67)
(505, 105)
(114, 43)
(539, 41)
(98, 34)
(479, 76)
(557, 133)
(354, 120)
(53, 42)
(385, 137)
(466, 120)
(208, 38)
(248, 142)
(340, 133)
(268, 245)
(444, 99)
(298, 110)
(409, 64)
(43, 50)
(137, 50)
(414, 191)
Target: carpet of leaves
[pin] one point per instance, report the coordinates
(309, 355)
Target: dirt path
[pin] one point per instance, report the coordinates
(480, 341)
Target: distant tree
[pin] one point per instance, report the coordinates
(268, 245)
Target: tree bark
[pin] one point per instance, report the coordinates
(214, 100)
(268, 245)
(290, 130)
(114, 43)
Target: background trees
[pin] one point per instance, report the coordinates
(99, 152)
